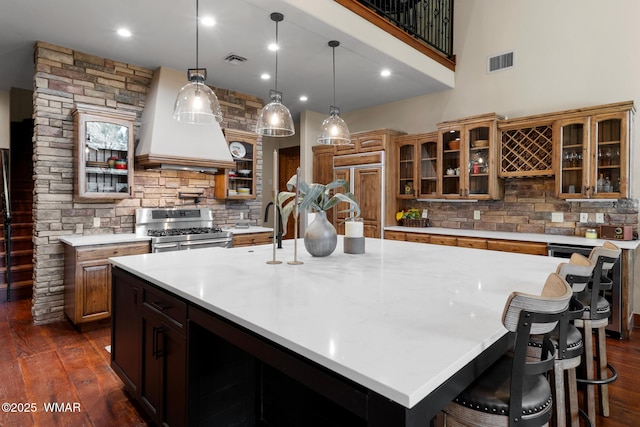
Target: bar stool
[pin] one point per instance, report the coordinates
(577, 272)
(515, 391)
(596, 316)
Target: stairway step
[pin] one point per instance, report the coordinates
(19, 290)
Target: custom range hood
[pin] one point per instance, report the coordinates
(167, 144)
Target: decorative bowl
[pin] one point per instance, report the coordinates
(480, 143)
(454, 145)
(244, 172)
(244, 190)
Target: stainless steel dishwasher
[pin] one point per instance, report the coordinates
(614, 329)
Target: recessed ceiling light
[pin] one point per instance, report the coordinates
(265, 76)
(385, 73)
(304, 98)
(208, 21)
(124, 32)
(273, 47)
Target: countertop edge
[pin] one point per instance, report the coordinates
(522, 237)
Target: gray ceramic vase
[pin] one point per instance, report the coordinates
(320, 238)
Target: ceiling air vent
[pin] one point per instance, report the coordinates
(232, 58)
(500, 62)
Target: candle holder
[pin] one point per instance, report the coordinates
(354, 236)
(354, 245)
(295, 239)
(275, 229)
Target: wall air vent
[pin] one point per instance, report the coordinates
(500, 62)
(232, 58)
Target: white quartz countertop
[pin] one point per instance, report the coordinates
(399, 319)
(524, 237)
(102, 239)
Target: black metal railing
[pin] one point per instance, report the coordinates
(428, 20)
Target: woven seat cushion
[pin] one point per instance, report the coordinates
(490, 392)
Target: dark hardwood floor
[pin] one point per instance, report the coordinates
(54, 363)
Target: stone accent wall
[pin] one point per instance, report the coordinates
(526, 208)
(63, 78)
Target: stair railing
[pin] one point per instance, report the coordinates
(6, 213)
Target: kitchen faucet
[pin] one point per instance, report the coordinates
(266, 218)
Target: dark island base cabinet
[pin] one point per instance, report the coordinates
(187, 366)
(149, 347)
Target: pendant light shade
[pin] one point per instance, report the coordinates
(334, 130)
(275, 118)
(196, 102)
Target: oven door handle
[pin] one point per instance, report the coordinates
(165, 245)
(203, 242)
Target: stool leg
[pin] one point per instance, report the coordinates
(588, 358)
(602, 365)
(572, 386)
(558, 376)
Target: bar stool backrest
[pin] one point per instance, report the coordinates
(603, 257)
(577, 272)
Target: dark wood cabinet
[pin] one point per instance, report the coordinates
(126, 333)
(149, 347)
(87, 280)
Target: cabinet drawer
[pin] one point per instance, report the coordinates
(531, 248)
(251, 239)
(418, 237)
(166, 305)
(105, 251)
(470, 242)
(395, 235)
(444, 240)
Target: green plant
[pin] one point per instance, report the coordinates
(318, 197)
(412, 213)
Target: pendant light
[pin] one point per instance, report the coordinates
(275, 119)
(196, 102)
(334, 130)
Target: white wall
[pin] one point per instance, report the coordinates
(5, 126)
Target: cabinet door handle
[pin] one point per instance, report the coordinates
(158, 305)
(135, 297)
(157, 350)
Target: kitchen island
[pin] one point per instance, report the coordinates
(385, 338)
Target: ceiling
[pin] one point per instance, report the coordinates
(164, 34)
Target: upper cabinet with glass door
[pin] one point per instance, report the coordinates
(427, 145)
(103, 152)
(406, 173)
(468, 161)
(593, 153)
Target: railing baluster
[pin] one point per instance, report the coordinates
(428, 20)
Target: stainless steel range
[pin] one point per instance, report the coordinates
(180, 229)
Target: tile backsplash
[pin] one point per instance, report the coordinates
(527, 207)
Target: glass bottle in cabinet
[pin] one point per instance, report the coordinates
(428, 168)
(103, 152)
(406, 178)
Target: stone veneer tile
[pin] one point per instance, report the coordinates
(63, 78)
